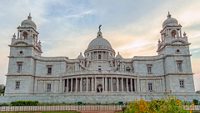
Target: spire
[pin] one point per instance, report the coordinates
(99, 34)
(168, 15)
(29, 16)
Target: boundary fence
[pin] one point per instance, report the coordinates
(75, 108)
(63, 108)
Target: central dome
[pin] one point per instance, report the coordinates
(99, 43)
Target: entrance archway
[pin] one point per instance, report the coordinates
(99, 88)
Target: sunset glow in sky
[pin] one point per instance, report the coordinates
(67, 26)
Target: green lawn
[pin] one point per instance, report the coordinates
(188, 112)
(46, 112)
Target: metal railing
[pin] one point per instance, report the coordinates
(75, 108)
(63, 108)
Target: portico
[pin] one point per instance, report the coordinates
(100, 84)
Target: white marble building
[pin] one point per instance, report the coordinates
(99, 71)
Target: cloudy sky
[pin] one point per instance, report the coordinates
(67, 26)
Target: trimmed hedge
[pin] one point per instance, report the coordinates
(4, 104)
(120, 103)
(24, 103)
(195, 101)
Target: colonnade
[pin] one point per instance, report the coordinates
(99, 84)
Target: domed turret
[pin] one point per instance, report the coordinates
(170, 21)
(81, 56)
(28, 22)
(118, 56)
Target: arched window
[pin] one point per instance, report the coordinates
(128, 69)
(173, 33)
(25, 35)
(99, 56)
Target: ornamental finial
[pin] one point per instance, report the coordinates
(100, 28)
(99, 34)
(184, 34)
(29, 16)
(168, 15)
(14, 36)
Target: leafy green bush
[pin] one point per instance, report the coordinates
(195, 101)
(24, 103)
(170, 105)
(79, 103)
(120, 103)
(4, 104)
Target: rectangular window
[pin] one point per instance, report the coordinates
(149, 68)
(179, 65)
(48, 87)
(19, 67)
(17, 84)
(150, 87)
(181, 83)
(49, 69)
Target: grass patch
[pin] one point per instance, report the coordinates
(188, 112)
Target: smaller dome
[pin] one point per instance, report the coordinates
(28, 22)
(170, 21)
(81, 56)
(118, 56)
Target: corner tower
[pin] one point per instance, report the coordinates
(174, 47)
(24, 49)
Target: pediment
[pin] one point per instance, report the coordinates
(21, 43)
(178, 42)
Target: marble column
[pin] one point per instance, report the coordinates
(95, 84)
(127, 84)
(135, 84)
(122, 79)
(106, 84)
(67, 89)
(111, 83)
(60, 86)
(131, 85)
(81, 84)
(76, 85)
(117, 82)
(138, 84)
(71, 84)
(103, 84)
(92, 84)
(87, 84)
